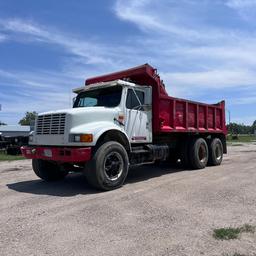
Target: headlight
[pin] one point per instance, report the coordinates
(82, 138)
(77, 138)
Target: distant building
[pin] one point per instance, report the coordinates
(14, 130)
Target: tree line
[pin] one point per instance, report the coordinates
(234, 128)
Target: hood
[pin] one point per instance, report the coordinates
(77, 117)
(81, 116)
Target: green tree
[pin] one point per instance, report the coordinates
(1, 123)
(254, 126)
(29, 118)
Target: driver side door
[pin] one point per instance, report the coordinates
(138, 115)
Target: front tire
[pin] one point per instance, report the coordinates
(198, 153)
(109, 166)
(48, 171)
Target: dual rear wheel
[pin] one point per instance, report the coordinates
(215, 152)
(197, 153)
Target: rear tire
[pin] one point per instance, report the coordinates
(109, 166)
(215, 152)
(198, 153)
(48, 171)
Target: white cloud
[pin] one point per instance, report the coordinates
(19, 26)
(91, 52)
(3, 37)
(240, 53)
(29, 91)
(241, 3)
(245, 8)
(34, 81)
(246, 101)
(217, 79)
(218, 57)
(134, 11)
(166, 19)
(247, 120)
(94, 55)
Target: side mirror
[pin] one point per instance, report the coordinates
(74, 99)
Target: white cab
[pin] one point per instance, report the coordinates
(126, 108)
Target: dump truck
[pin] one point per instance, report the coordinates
(125, 119)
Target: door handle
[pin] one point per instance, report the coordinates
(119, 121)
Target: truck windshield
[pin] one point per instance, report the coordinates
(107, 97)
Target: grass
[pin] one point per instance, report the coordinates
(236, 144)
(232, 233)
(248, 228)
(242, 138)
(5, 157)
(226, 233)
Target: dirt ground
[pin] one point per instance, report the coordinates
(159, 211)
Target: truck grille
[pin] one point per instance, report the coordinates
(51, 124)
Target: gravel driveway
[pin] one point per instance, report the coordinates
(159, 211)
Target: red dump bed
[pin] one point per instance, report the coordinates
(172, 114)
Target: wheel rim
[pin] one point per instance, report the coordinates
(202, 153)
(218, 152)
(113, 166)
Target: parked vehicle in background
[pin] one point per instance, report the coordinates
(12, 137)
(122, 119)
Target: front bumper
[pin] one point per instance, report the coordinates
(59, 154)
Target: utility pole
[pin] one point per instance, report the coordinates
(0, 110)
(229, 116)
(229, 120)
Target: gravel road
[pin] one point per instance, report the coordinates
(159, 211)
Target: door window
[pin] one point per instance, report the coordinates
(132, 101)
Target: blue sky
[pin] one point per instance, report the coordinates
(205, 50)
